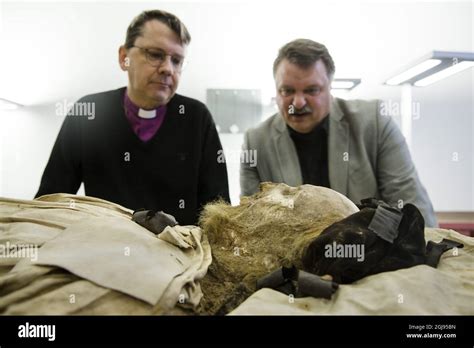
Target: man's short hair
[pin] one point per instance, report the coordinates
(304, 53)
(170, 20)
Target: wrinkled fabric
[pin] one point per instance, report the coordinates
(115, 254)
(93, 259)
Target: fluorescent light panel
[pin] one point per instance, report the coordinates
(434, 67)
(416, 70)
(347, 84)
(454, 69)
(342, 84)
(8, 105)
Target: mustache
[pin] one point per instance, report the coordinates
(294, 111)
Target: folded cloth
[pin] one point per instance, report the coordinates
(117, 254)
(181, 236)
(91, 237)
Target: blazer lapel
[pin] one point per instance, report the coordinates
(338, 148)
(287, 157)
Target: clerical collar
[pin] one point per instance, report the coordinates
(133, 109)
(146, 113)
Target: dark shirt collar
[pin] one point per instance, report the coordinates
(323, 126)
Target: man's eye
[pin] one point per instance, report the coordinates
(314, 90)
(156, 55)
(177, 61)
(286, 92)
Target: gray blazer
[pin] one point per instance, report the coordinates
(368, 157)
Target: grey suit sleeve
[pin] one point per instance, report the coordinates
(397, 178)
(249, 178)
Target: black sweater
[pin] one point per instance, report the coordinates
(176, 171)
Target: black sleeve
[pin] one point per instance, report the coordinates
(63, 171)
(213, 182)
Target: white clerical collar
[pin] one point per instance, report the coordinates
(146, 113)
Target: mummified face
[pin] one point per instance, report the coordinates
(273, 225)
(304, 200)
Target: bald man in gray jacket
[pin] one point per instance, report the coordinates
(346, 145)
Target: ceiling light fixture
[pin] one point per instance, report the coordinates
(433, 67)
(8, 105)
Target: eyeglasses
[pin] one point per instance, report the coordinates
(155, 57)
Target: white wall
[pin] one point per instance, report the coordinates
(27, 137)
(70, 49)
(443, 141)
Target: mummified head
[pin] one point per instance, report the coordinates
(272, 227)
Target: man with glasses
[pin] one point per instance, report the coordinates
(146, 146)
(346, 145)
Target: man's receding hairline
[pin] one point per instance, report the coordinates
(142, 31)
(304, 66)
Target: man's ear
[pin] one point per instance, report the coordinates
(124, 59)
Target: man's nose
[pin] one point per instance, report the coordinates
(166, 67)
(299, 101)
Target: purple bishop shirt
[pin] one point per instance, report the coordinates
(144, 128)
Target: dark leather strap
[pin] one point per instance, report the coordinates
(435, 250)
(385, 222)
(312, 285)
(291, 281)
